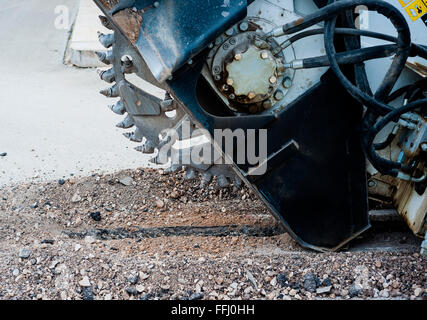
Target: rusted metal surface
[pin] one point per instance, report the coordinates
(130, 21)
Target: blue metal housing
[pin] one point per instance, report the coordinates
(175, 31)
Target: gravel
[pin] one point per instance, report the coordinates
(355, 290)
(309, 282)
(96, 216)
(216, 263)
(24, 253)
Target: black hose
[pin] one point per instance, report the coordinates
(352, 56)
(383, 165)
(416, 50)
(392, 116)
(376, 103)
(385, 143)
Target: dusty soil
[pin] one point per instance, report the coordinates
(145, 234)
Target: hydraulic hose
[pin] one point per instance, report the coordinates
(377, 103)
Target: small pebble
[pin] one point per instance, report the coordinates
(96, 216)
(24, 253)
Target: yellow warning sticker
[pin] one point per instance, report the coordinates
(404, 3)
(416, 9)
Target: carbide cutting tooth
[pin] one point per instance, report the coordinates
(118, 108)
(107, 40)
(105, 56)
(106, 23)
(223, 181)
(126, 123)
(190, 174)
(134, 136)
(146, 148)
(206, 179)
(107, 75)
(112, 92)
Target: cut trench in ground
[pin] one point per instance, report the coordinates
(132, 212)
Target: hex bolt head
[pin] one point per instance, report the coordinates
(232, 96)
(216, 69)
(287, 82)
(217, 77)
(278, 95)
(371, 184)
(273, 79)
(229, 32)
(251, 95)
(218, 41)
(230, 81)
(238, 56)
(264, 55)
(244, 26)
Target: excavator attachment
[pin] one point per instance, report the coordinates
(230, 88)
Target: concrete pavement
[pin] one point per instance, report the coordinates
(84, 39)
(53, 122)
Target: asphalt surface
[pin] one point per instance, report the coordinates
(53, 122)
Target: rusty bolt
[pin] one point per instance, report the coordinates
(273, 79)
(251, 95)
(238, 57)
(230, 81)
(267, 104)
